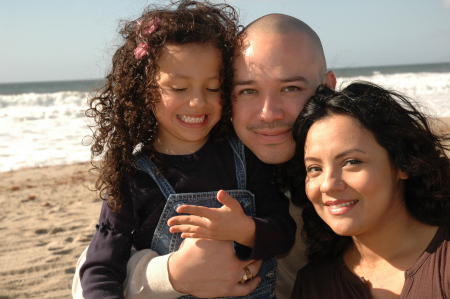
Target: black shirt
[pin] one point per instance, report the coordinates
(211, 168)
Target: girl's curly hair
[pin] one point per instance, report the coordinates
(406, 135)
(122, 108)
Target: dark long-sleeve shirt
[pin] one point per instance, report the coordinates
(209, 169)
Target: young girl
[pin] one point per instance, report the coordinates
(377, 220)
(162, 121)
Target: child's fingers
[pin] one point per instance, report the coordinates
(189, 231)
(226, 199)
(186, 220)
(196, 210)
(193, 235)
(184, 229)
(201, 234)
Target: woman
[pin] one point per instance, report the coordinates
(378, 183)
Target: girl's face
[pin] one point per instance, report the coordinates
(350, 180)
(190, 105)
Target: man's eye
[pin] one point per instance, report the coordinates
(291, 88)
(248, 91)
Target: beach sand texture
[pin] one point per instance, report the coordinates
(48, 216)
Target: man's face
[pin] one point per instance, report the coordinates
(275, 76)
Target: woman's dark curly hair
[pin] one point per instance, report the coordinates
(403, 131)
(122, 108)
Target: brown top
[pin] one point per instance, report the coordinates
(428, 278)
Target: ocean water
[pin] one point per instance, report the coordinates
(427, 84)
(43, 124)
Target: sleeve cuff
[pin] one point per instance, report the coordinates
(148, 277)
(243, 252)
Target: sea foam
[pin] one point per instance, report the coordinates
(43, 129)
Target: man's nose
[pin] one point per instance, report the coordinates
(272, 108)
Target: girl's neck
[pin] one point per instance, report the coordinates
(178, 149)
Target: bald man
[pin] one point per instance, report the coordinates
(279, 67)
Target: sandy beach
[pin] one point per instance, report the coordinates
(48, 216)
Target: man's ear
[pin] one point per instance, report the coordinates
(330, 80)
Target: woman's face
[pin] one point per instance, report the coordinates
(350, 180)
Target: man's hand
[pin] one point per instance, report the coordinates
(228, 223)
(208, 268)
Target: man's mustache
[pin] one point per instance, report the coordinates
(271, 125)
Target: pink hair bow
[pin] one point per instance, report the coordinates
(142, 49)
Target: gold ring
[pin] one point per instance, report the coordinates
(248, 276)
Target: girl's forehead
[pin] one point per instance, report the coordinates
(198, 61)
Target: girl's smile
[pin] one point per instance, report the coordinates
(192, 119)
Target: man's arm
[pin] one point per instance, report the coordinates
(147, 277)
(201, 267)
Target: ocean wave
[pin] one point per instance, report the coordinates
(71, 98)
(41, 129)
(37, 106)
(430, 90)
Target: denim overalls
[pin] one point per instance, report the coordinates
(165, 242)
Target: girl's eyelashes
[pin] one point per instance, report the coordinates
(178, 89)
(183, 89)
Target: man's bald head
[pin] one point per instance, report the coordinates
(278, 23)
(283, 24)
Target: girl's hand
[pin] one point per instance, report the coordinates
(228, 223)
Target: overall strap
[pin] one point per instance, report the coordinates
(145, 164)
(239, 161)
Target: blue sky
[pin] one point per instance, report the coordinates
(52, 40)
